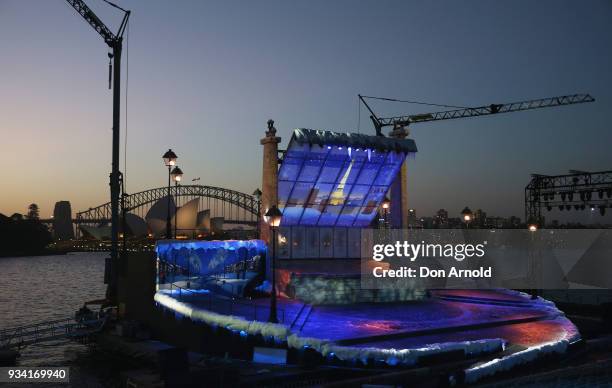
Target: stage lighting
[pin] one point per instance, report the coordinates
(592, 208)
(602, 210)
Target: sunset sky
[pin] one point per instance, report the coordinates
(204, 77)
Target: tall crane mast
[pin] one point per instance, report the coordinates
(380, 122)
(115, 43)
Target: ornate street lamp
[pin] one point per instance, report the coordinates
(257, 195)
(177, 175)
(467, 215)
(273, 217)
(169, 160)
(386, 204)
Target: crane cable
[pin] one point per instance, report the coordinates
(114, 5)
(415, 102)
(358, 116)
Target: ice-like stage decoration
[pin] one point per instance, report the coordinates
(208, 257)
(337, 179)
(225, 267)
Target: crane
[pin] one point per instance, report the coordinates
(380, 122)
(115, 43)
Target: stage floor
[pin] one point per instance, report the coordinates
(448, 316)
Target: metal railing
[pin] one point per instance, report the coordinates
(228, 306)
(65, 328)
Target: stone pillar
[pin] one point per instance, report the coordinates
(399, 188)
(269, 181)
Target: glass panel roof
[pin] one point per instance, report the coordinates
(333, 184)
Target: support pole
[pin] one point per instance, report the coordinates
(273, 315)
(168, 219)
(111, 292)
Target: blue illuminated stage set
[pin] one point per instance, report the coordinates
(331, 179)
(329, 187)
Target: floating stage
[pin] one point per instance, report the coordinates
(330, 186)
(497, 329)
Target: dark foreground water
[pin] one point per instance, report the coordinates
(41, 288)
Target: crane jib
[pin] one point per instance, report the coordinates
(483, 110)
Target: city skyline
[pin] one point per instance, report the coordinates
(193, 78)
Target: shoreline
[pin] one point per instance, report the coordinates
(32, 254)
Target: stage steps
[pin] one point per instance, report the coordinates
(302, 317)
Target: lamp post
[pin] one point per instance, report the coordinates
(386, 204)
(273, 218)
(170, 161)
(257, 195)
(177, 175)
(467, 216)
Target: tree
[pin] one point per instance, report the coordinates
(17, 217)
(33, 212)
(19, 236)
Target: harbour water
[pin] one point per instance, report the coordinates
(41, 288)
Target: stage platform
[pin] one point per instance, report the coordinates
(499, 323)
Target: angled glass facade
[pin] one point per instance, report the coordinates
(333, 184)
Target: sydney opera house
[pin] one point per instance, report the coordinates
(187, 220)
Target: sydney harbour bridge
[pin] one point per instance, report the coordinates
(228, 206)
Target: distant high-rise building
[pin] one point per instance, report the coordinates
(441, 218)
(427, 222)
(480, 218)
(62, 221)
(514, 221)
(413, 221)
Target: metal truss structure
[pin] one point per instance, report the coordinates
(574, 191)
(380, 122)
(234, 206)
